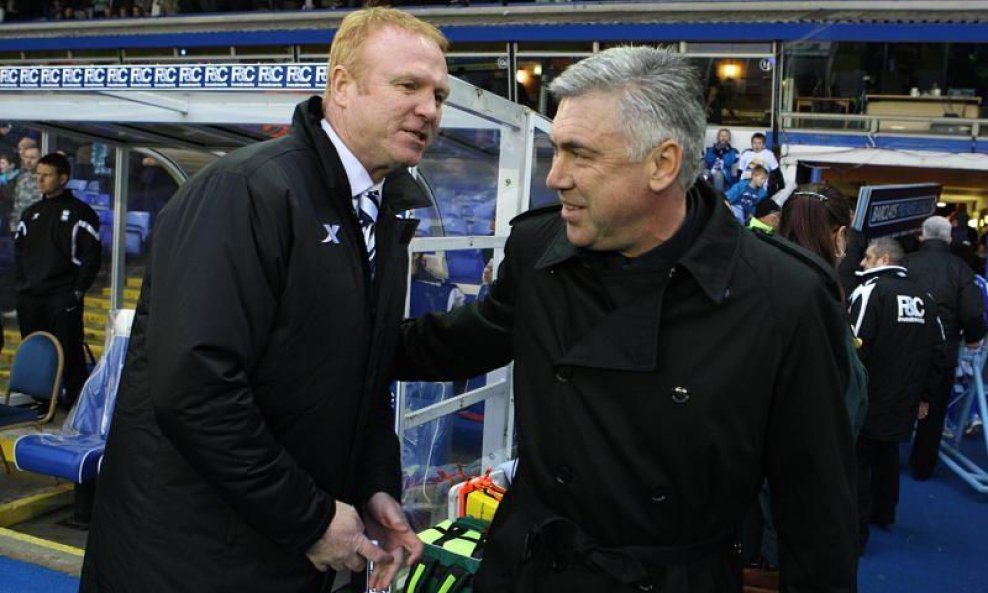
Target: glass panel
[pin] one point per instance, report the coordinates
(729, 48)
(462, 170)
(149, 187)
(539, 194)
(488, 73)
(738, 90)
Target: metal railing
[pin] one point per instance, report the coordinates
(953, 127)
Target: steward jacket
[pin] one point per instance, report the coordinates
(255, 389)
(902, 346)
(57, 247)
(648, 427)
(951, 283)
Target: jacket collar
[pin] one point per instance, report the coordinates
(934, 245)
(883, 271)
(710, 259)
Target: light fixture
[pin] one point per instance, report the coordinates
(730, 70)
(537, 70)
(941, 204)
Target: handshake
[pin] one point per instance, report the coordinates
(346, 546)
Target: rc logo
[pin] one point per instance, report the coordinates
(911, 309)
(332, 233)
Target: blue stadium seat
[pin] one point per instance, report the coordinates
(138, 227)
(36, 372)
(77, 186)
(74, 454)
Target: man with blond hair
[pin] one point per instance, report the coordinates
(252, 445)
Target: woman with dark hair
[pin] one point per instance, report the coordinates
(816, 217)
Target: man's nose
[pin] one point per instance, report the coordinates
(558, 175)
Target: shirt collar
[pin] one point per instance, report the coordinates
(360, 180)
(898, 270)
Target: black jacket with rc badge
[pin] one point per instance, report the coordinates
(255, 390)
(902, 346)
(645, 428)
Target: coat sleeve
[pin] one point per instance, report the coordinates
(940, 366)
(380, 470)
(218, 264)
(87, 249)
(865, 314)
(809, 455)
(467, 341)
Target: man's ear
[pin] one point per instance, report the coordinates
(340, 82)
(664, 162)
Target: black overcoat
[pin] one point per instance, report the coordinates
(651, 425)
(254, 391)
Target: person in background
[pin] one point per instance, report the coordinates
(766, 217)
(748, 193)
(720, 160)
(902, 346)
(252, 445)
(57, 256)
(960, 306)
(26, 190)
(640, 448)
(757, 155)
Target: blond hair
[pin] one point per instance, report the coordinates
(359, 25)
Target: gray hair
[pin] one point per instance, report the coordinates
(936, 227)
(660, 99)
(887, 246)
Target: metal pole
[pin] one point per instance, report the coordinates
(118, 275)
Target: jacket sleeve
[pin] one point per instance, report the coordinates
(218, 264)
(87, 249)
(467, 341)
(865, 314)
(971, 308)
(940, 366)
(809, 455)
(381, 467)
(709, 158)
(734, 193)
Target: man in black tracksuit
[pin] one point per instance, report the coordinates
(903, 350)
(959, 305)
(58, 255)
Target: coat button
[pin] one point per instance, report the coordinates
(672, 272)
(659, 496)
(680, 395)
(563, 373)
(564, 475)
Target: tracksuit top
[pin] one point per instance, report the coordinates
(57, 246)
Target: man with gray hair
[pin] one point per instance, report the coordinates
(960, 307)
(666, 360)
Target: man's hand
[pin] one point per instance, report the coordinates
(924, 410)
(344, 545)
(386, 523)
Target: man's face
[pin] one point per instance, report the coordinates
(6, 166)
(29, 159)
(757, 144)
(723, 136)
(49, 181)
(871, 260)
(758, 178)
(605, 197)
(391, 107)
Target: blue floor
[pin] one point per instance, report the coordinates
(939, 543)
(21, 577)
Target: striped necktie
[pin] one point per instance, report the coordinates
(368, 205)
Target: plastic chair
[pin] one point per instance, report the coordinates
(36, 372)
(75, 453)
